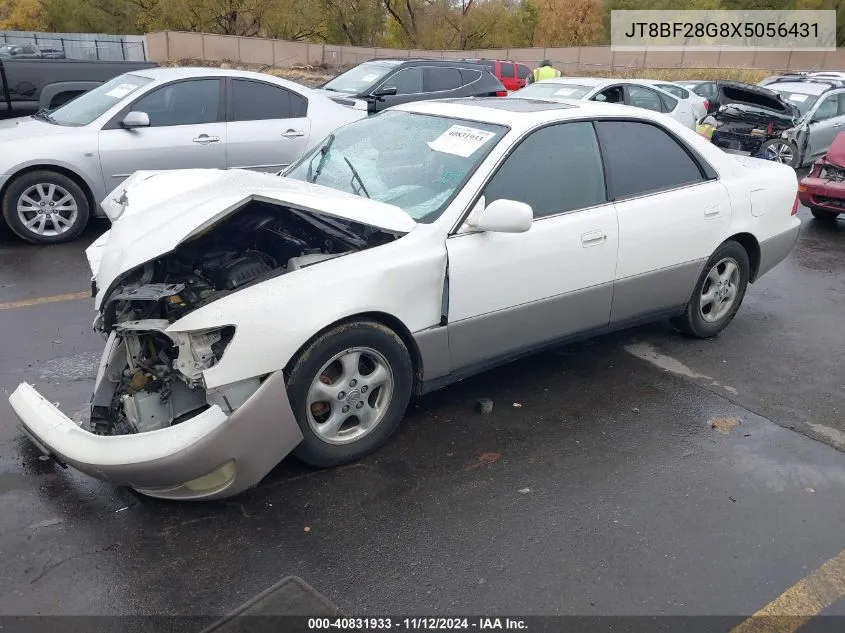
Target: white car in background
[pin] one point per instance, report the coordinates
(250, 315)
(56, 165)
(632, 92)
(700, 104)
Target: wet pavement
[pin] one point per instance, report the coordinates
(642, 473)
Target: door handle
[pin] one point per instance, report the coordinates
(712, 212)
(293, 134)
(837, 125)
(593, 238)
(205, 139)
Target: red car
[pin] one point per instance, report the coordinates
(513, 75)
(823, 190)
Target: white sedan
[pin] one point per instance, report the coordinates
(249, 315)
(699, 104)
(632, 92)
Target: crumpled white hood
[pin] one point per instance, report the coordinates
(162, 209)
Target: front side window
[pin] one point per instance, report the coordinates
(642, 158)
(828, 108)
(556, 169)
(407, 81)
(413, 161)
(94, 103)
(183, 103)
(644, 98)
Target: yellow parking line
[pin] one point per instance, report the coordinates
(25, 303)
(804, 600)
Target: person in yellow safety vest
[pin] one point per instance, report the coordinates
(545, 71)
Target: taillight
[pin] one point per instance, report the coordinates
(707, 105)
(795, 206)
(502, 93)
(770, 128)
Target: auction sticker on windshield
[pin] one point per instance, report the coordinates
(460, 140)
(564, 92)
(121, 91)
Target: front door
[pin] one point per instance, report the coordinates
(827, 121)
(671, 214)
(511, 292)
(409, 86)
(267, 126)
(187, 130)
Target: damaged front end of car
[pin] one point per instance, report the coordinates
(749, 117)
(155, 424)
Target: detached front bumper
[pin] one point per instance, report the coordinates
(822, 194)
(210, 456)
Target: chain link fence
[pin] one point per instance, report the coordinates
(86, 46)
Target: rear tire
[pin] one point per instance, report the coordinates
(349, 390)
(718, 292)
(824, 215)
(45, 207)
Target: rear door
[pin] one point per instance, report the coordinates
(440, 82)
(267, 125)
(672, 215)
(187, 130)
(827, 121)
(508, 76)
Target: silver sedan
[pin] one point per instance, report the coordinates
(56, 166)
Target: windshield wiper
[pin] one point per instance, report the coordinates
(43, 114)
(356, 176)
(323, 154)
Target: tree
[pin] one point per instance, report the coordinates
(570, 23)
(22, 15)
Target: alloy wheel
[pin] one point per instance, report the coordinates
(47, 209)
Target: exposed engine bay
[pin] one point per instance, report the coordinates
(149, 379)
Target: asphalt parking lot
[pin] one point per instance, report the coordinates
(636, 474)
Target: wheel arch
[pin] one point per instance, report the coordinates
(752, 247)
(64, 171)
(383, 318)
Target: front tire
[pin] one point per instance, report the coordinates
(45, 207)
(824, 215)
(718, 292)
(781, 151)
(349, 390)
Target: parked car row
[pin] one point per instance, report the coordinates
(251, 315)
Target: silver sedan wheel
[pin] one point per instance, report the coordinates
(47, 209)
(719, 292)
(781, 152)
(350, 395)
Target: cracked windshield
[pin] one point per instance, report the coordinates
(413, 161)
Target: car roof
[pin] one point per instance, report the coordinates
(523, 113)
(801, 87)
(187, 72)
(410, 61)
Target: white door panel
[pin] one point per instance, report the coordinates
(123, 152)
(671, 228)
(558, 255)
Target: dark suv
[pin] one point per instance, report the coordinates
(380, 83)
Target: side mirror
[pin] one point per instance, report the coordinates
(385, 91)
(502, 216)
(135, 119)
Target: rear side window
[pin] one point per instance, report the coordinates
(706, 90)
(257, 101)
(556, 169)
(468, 75)
(645, 98)
(507, 70)
(523, 71)
(667, 102)
(676, 91)
(437, 79)
(642, 158)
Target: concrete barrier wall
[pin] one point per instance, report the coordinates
(163, 46)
